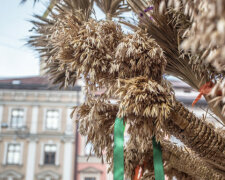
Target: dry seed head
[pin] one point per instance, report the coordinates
(87, 49)
(96, 121)
(144, 102)
(138, 55)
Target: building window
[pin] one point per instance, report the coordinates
(89, 178)
(49, 154)
(17, 118)
(52, 119)
(13, 153)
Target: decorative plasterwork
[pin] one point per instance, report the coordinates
(90, 170)
(38, 96)
(10, 173)
(43, 175)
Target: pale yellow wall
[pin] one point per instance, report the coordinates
(5, 114)
(8, 97)
(40, 168)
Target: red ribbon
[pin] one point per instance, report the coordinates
(138, 173)
(204, 89)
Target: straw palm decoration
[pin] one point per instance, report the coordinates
(183, 38)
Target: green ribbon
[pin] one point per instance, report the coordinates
(157, 160)
(118, 153)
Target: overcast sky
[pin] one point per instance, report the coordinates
(17, 59)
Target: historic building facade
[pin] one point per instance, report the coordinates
(37, 138)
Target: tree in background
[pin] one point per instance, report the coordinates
(182, 38)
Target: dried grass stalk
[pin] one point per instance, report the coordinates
(113, 8)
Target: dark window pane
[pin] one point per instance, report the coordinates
(49, 154)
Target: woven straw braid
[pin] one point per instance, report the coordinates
(200, 137)
(186, 161)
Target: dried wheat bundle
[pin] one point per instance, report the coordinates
(93, 51)
(64, 15)
(144, 102)
(130, 68)
(204, 35)
(96, 121)
(181, 135)
(168, 30)
(65, 29)
(82, 49)
(138, 55)
(136, 155)
(75, 46)
(89, 50)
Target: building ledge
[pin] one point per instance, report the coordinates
(91, 159)
(49, 165)
(12, 165)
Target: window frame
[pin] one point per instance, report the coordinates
(45, 119)
(10, 117)
(5, 158)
